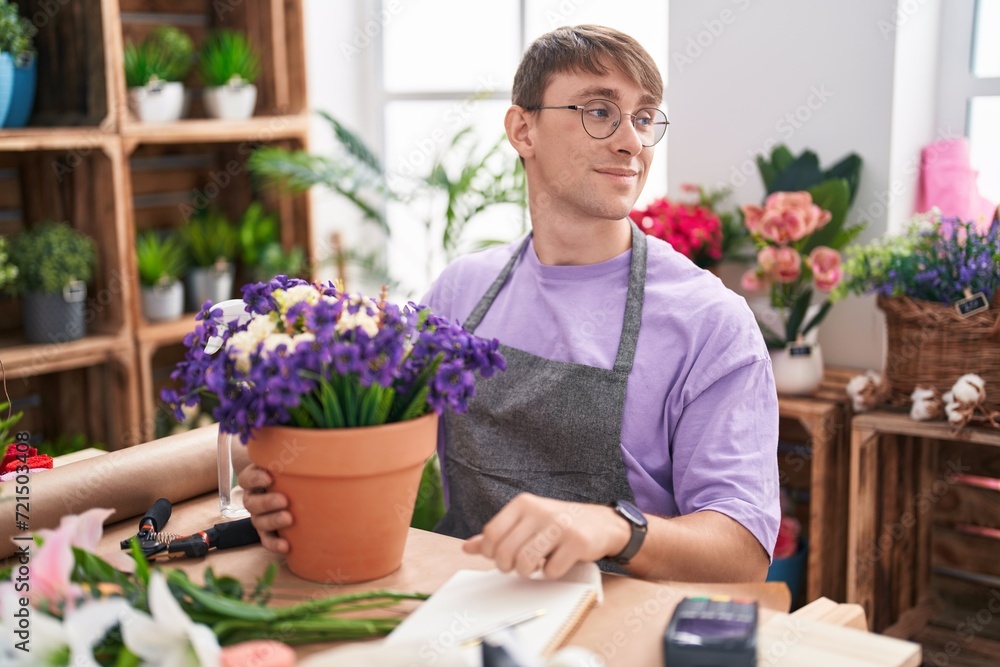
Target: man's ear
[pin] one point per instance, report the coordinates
(519, 125)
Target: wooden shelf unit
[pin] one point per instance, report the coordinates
(819, 469)
(83, 158)
(921, 542)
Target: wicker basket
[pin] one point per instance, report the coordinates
(929, 343)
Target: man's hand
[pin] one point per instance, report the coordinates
(532, 533)
(268, 510)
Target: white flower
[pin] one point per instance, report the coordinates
(304, 337)
(233, 309)
(262, 326)
(970, 389)
(958, 413)
(239, 348)
(74, 637)
(926, 404)
(272, 342)
(286, 298)
(168, 637)
(365, 318)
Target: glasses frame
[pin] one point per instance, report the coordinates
(616, 124)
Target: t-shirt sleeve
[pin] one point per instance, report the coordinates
(725, 451)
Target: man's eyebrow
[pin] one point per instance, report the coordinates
(595, 92)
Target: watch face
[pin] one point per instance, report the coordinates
(631, 512)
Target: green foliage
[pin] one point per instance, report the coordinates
(482, 179)
(8, 272)
(429, 508)
(7, 422)
(228, 57)
(160, 258)
(16, 32)
(352, 171)
(257, 230)
(67, 444)
(785, 172)
(165, 55)
(276, 261)
(209, 238)
(51, 255)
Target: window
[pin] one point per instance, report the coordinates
(447, 65)
(984, 110)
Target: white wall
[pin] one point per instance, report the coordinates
(746, 75)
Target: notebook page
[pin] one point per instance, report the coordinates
(474, 601)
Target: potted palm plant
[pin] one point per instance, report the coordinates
(160, 258)
(229, 66)
(210, 244)
(54, 263)
(18, 69)
(154, 72)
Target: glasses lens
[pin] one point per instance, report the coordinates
(601, 118)
(651, 125)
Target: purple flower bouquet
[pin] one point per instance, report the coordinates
(309, 356)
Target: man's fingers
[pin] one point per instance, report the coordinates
(508, 550)
(272, 521)
(560, 561)
(254, 477)
(273, 543)
(473, 545)
(262, 503)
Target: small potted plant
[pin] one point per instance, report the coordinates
(229, 66)
(8, 272)
(210, 243)
(54, 263)
(160, 258)
(261, 254)
(154, 72)
(18, 69)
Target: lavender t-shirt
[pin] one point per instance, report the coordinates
(700, 426)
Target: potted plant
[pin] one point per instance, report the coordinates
(160, 259)
(18, 68)
(154, 72)
(54, 263)
(798, 233)
(261, 254)
(8, 271)
(210, 243)
(338, 395)
(229, 65)
(693, 230)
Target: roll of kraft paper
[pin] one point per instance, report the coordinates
(128, 480)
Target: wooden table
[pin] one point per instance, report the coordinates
(625, 630)
(897, 486)
(824, 417)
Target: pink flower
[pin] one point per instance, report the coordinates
(52, 564)
(786, 217)
(825, 265)
(767, 258)
(751, 217)
(788, 537)
(83, 530)
(787, 264)
(750, 281)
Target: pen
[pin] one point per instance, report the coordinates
(509, 623)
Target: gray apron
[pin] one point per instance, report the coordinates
(550, 428)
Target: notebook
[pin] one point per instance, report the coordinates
(473, 602)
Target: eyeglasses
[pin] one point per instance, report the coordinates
(602, 117)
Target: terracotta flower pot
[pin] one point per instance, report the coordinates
(350, 491)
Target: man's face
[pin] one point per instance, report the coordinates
(574, 174)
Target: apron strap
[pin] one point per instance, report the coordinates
(633, 302)
(477, 314)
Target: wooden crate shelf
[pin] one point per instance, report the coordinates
(274, 28)
(913, 563)
(812, 461)
(83, 159)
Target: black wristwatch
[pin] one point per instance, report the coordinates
(637, 522)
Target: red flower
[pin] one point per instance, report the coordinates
(694, 231)
(788, 537)
(10, 459)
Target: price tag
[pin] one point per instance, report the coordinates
(971, 304)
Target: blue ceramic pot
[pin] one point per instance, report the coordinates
(791, 570)
(23, 98)
(6, 85)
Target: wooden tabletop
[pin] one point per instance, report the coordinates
(626, 629)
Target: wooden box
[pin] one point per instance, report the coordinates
(74, 185)
(274, 28)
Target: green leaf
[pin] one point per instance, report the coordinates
(797, 314)
(385, 405)
(141, 564)
(848, 169)
(818, 317)
(801, 174)
(353, 143)
(831, 196)
(429, 507)
(781, 158)
(262, 591)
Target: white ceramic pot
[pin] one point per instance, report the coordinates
(213, 284)
(798, 368)
(160, 102)
(163, 302)
(231, 102)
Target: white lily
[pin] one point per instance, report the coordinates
(232, 309)
(168, 637)
(74, 637)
